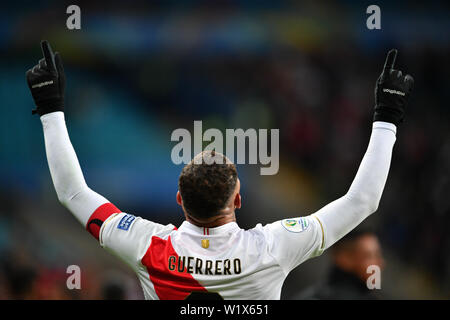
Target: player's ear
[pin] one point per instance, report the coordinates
(237, 198)
(179, 199)
(237, 201)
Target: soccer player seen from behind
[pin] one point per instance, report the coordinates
(209, 253)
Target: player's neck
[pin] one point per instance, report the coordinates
(212, 222)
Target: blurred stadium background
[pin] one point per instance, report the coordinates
(139, 70)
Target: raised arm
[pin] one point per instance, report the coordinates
(47, 84)
(391, 96)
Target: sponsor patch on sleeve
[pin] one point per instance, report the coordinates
(295, 224)
(126, 222)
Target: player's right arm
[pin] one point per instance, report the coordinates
(47, 85)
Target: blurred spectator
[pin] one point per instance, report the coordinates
(347, 280)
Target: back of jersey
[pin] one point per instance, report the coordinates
(234, 263)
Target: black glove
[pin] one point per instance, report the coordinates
(392, 92)
(47, 82)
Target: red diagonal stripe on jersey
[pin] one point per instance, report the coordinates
(169, 285)
(99, 216)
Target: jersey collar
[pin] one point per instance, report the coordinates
(230, 226)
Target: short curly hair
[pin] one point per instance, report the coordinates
(206, 184)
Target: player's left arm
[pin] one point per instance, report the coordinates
(47, 83)
(392, 91)
(295, 240)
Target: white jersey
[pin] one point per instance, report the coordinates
(172, 263)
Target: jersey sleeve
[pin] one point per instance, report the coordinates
(295, 240)
(128, 236)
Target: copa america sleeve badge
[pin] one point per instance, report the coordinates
(296, 225)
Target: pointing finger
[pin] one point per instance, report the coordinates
(390, 61)
(48, 55)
